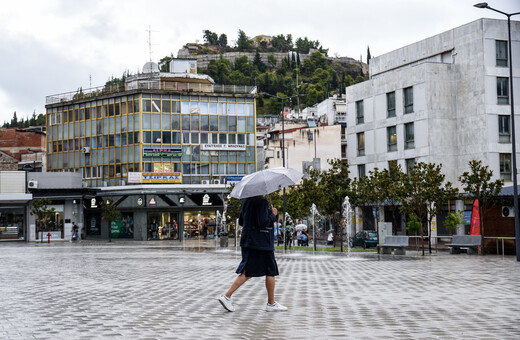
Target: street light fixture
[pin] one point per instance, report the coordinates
(283, 156)
(515, 180)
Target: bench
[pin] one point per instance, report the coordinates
(471, 242)
(396, 243)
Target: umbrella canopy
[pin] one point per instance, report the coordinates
(301, 226)
(265, 182)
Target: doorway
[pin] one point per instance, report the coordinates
(162, 226)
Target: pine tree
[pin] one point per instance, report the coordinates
(368, 55)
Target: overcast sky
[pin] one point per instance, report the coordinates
(55, 46)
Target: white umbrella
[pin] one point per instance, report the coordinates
(265, 182)
(301, 226)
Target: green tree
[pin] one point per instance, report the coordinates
(210, 38)
(453, 219)
(258, 63)
(424, 192)
(477, 182)
(219, 70)
(244, 43)
(368, 55)
(222, 40)
(109, 214)
(40, 209)
(335, 186)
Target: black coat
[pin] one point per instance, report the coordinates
(257, 221)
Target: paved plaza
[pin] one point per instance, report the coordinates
(158, 290)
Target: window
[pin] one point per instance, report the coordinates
(504, 131)
(391, 138)
(408, 100)
(505, 166)
(390, 104)
(502, 90)
(361, 143)
(501, 52)
(409, 136)
(410, 163)
(360, 115)
(361, 170)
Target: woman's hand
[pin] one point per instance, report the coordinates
(274, 210)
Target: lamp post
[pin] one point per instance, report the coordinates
(283, 158)
(515, 180)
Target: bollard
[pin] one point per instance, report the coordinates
(48, 237)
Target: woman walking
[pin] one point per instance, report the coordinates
(257, 244)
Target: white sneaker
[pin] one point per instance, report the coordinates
(275, 307)
(226, 303)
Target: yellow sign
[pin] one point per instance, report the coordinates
(161, 177)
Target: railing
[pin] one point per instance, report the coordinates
(436, 243)
(149, 85)
(500, 238)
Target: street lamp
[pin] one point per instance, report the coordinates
(283, 156)
(515, 189)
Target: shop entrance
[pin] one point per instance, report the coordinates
(163, 226)
(199, 224)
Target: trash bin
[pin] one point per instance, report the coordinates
(224, 240)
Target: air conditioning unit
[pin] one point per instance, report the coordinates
(33, 184)
(85, 149)
(508, 212)
(205, 182)
(216, 181)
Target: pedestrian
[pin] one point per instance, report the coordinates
(75, 230)
(205, 229)
(257, 244)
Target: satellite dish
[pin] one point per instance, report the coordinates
(150, 67)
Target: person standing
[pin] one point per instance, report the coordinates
(257, 245)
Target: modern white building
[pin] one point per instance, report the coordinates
(442, 100)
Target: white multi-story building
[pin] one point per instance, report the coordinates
(442, 100)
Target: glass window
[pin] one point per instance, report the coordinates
(222, 123)
(213, 123)
(195, 122)
(185, 107)
(410, 162)
(232, 123)
(194, 138)
(390, 104)
(204, 110)
(176, 107)
(502, 90)
(391, 136)
(176, 122)
(504, 132)
(501, 52)
(409, 138)
(147, 121)
(147, 105)
(176, 137)
(361, 144)
(166, 137)
(186, 123)
(204, 123)
(156, 122)
(505, 166)
(408, 100)
(361, 170)
(360, 115)
(166, 122)
(156, 105)
(185, 138)
(241, 125)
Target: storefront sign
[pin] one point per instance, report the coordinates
(206, 200)
(151, 177)
(93, 203)
(134, 177)
(233, 179)
(223, 147)
(152, 201)
(139, 201)
(162, 152)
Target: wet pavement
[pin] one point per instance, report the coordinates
(158, 290)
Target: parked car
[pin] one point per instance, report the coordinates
(365, 239)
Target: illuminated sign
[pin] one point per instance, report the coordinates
(162, 152)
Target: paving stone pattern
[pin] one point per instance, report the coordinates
(158, 291)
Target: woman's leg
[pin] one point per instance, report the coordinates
(269, 285)
(239, 281)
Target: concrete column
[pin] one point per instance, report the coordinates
(459, 206)
(140, 226)
(358, 215)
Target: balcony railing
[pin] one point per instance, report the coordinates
(149, 85)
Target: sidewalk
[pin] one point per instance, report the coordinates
(154, 290)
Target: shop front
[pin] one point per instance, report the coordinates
(12, 223)
(160, 214)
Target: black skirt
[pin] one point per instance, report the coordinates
(257, 263)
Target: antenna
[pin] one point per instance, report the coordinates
(150, 41)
